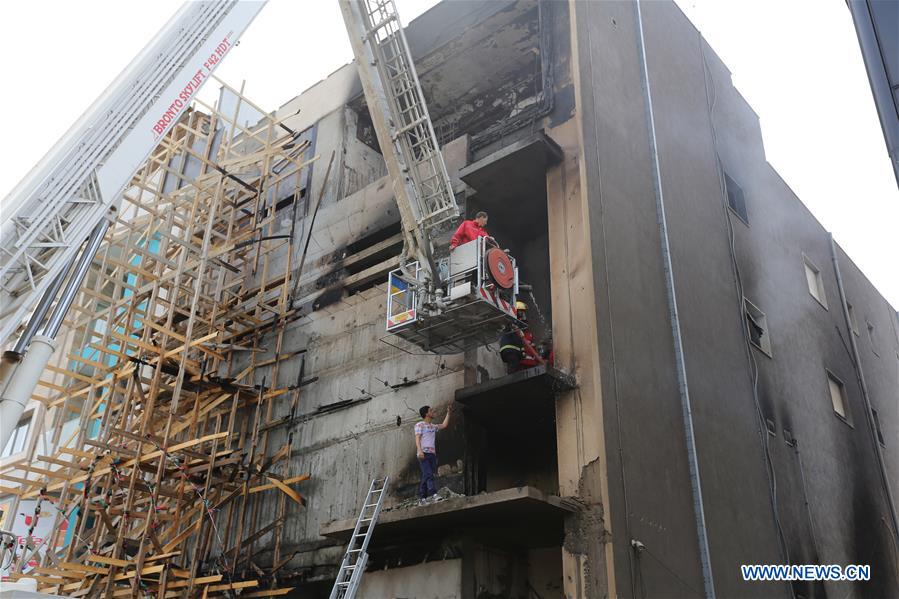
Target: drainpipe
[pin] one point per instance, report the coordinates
(683, 388)
(24, 376)
(869, 415)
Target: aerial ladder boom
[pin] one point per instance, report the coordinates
(75, 189)
(439, 302)
(403, 126)
(50, 213)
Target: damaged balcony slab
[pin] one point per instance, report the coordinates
(497, 516)
(523, 400)
(505, 177)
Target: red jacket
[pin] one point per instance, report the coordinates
(469, 230)
(531, 357)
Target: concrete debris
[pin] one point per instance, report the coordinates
(443, 493)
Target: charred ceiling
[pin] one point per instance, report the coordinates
(483, 76)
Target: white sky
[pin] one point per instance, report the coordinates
(797, 62)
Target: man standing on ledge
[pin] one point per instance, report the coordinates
(426, 447)
(470, 230)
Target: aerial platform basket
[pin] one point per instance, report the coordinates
(473, 307)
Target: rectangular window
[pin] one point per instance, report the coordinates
(838, 396)
(872, 337)
(16, 443)
(757, 326)
(852, 322)
(735, 198)
(877, 427)
(813, 279)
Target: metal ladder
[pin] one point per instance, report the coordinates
(353, 564)
(401, 120)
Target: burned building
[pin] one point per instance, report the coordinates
(713, 349)
(724, 387)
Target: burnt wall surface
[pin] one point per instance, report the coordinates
(483, 70)
(808, 491)
(487, 68)
(359, 396)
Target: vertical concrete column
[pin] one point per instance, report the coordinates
(587, 559)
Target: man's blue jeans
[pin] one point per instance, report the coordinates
(428, 472)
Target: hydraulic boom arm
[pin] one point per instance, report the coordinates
(404, 129)
(74, 191)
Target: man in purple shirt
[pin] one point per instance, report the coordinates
(426, 449)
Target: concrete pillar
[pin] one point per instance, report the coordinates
(587, 560)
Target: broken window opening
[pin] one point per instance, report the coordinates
(290, 199)
(757, 327)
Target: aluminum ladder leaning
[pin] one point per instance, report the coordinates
(353, 564)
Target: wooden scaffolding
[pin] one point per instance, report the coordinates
(153, 455)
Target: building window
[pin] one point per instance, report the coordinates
(757, 326)
(813, 279)
(852, 322)
(735, 198)
(877, 427)
(16, 443)
(838, 396)
(872, 337)
(789, 439)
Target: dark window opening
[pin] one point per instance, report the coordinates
(375, 258)
(735, 198)
(365, 129)
(877, 427)
(373, 249)
(290, 199)
(498, 458)
(373, 238)
(757, 327)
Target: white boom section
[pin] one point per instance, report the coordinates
(47, 217)
(405, 133)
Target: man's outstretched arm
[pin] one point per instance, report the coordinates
(446, 420)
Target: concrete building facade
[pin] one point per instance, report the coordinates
(711, 341)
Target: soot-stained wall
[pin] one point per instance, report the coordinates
(808, 491)
(829, 504)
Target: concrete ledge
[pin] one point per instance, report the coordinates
(511, 182)
(522, 403)
(495, 509)
(539, 381)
